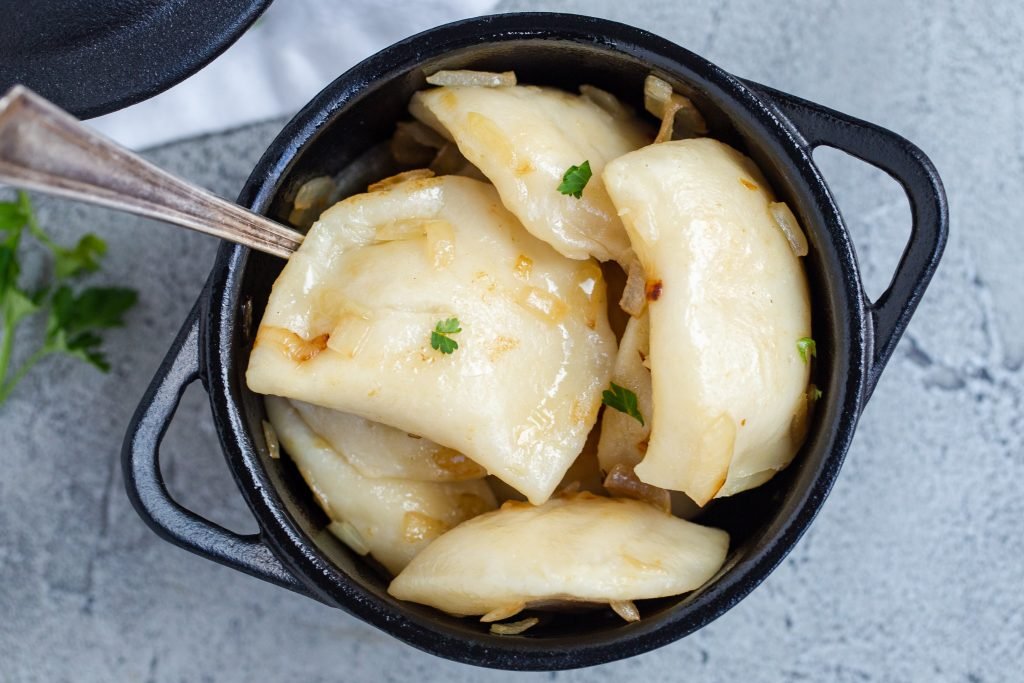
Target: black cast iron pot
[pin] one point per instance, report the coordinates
(855, 336)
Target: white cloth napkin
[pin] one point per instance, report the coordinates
(294, 50)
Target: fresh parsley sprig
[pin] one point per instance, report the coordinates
(622, 400)
(575, 179)
(74, 319)
(439, 339)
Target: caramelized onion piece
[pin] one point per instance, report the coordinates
(634, 294)
(484, 79)
(621, 482)
(348, 535)
(657, 94)
(310, 201)
(689, 122)
(273, 445)
(504, 612)
(679, 116)
(784, 218)
(625, 609)
(514, 628)
(668, 121)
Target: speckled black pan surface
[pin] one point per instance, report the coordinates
(855, 336)
(92, 57)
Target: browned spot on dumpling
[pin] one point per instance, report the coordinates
(448, 99)
(470, 505)
(491, 137)
(456, 464)
(641, 566)
(641, 446)
(500, 346)
(484, 279)
(747, 184)
(398, 178)
(653, 290)
(718, 486)
(417, 527)
(524, 167)
(523, 267)
(293, 346)
(580, 412)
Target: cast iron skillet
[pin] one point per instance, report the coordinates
(855, 336)
(93, 57)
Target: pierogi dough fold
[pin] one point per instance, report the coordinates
(376, 450)
(727, 301)
(524, 138)
(348, 326)
(391, 519)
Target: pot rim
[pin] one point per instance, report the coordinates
(223, 299)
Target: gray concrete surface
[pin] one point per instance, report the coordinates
(913, 571)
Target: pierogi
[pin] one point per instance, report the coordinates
(377, 450)
(727, 302)
(391, 519)
(523, 139)
(580, 547)
(349, 326)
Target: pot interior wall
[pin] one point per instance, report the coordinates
(754, 519)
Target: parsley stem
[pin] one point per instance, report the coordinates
(7, 389)
(33, 224)
(5, 350)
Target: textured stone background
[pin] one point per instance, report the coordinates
(913, 571)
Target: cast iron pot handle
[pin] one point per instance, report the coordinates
(140, 461)
(908, 166)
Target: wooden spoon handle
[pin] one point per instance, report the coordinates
(44, 148)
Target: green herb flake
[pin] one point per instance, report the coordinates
(807, 348)
(622, 400)
(575, 179)
(815, 393)
(74, 319)
(439, 339)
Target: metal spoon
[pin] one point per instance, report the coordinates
(44, 148)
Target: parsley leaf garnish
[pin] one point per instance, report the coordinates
(807, 348)
(439, 339)
(622, 400)
(73, 319)
(575, 179)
